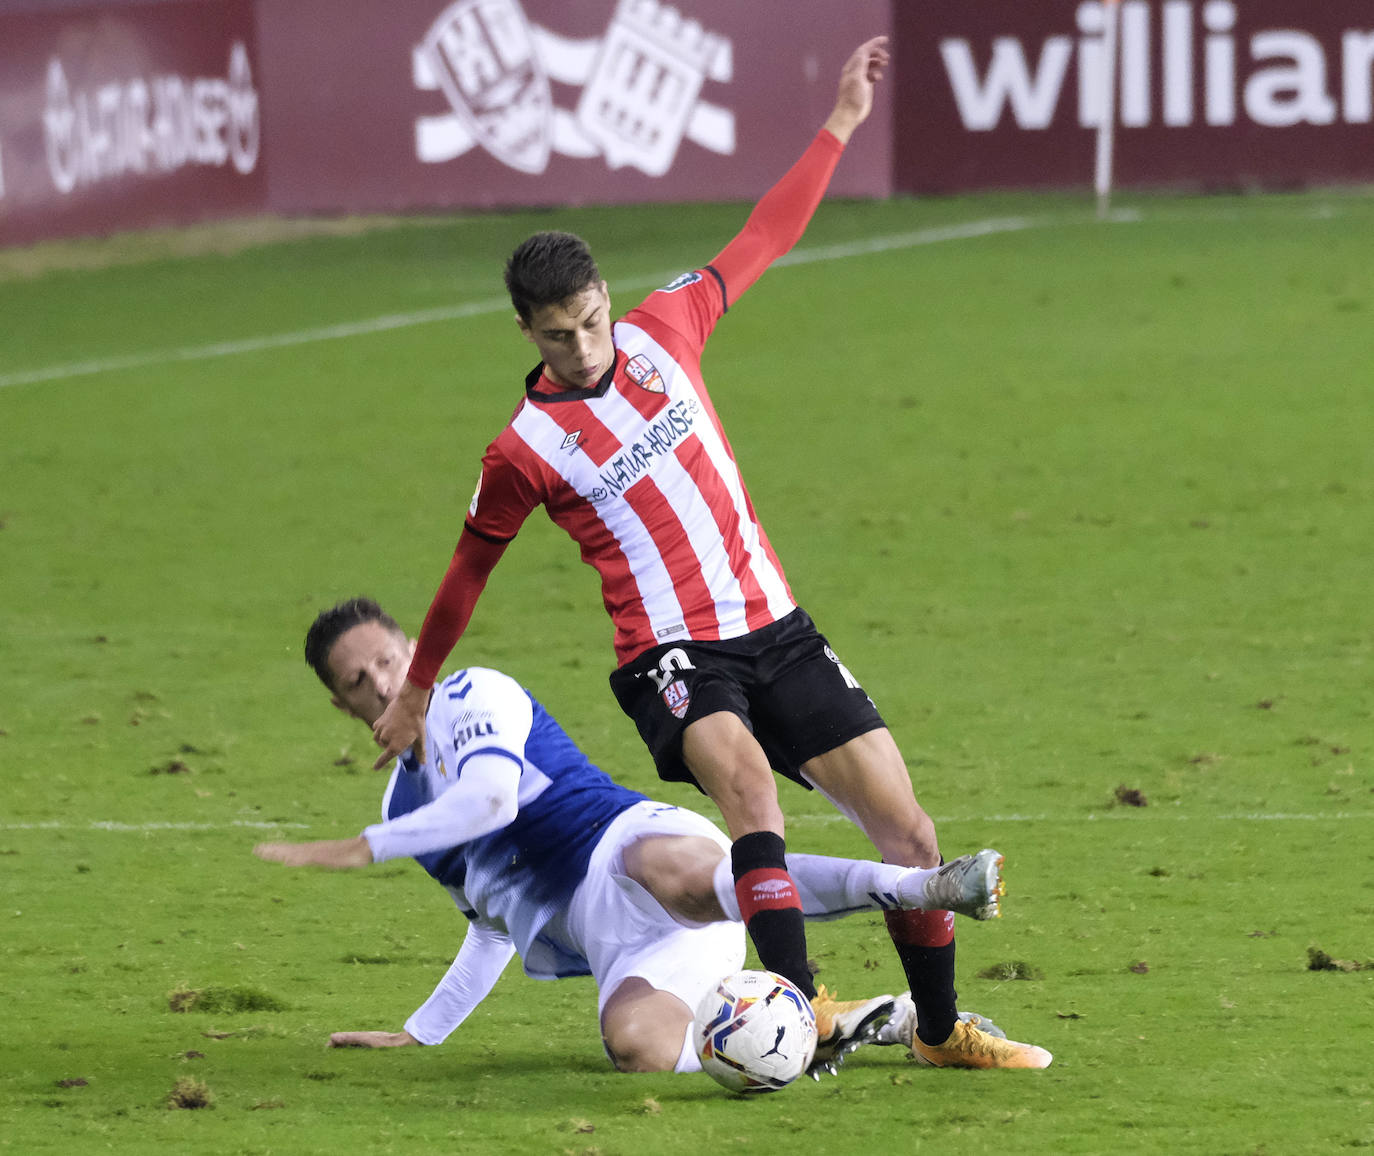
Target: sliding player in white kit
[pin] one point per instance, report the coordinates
(727, 679)
(553, 861)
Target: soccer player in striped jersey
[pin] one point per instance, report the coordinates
(552, 860)
(726, 678)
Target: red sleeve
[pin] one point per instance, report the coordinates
(693, 303)
(504, 499)
(474, 559)
(779, 219)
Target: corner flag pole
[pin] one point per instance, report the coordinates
(1106, 128)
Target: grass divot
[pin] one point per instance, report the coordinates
(222, 1000)
(188, 1092)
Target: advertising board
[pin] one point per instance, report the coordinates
(128, 116)
(1210, 94)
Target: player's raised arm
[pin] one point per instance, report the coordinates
(860, 74)
(781, 216)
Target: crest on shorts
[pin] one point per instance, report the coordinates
(641, 371)
(676, 696)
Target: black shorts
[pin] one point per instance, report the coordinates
(783, 681)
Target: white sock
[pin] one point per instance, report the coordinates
(830, 888)
(688, 1060)
(724, 883)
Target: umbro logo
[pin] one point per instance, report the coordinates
(777, 887)
(571, 440)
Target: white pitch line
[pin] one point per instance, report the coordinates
(1122, 816)
(391, 321)
(111, 825)
(931, 236)
(1128, 815)
(380, 324)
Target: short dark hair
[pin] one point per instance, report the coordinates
(337, 620)
(548, 269)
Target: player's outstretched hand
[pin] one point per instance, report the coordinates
(402, 725)
(861, 72)
(336, 853)
(371, 1040)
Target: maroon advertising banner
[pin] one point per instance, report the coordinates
(480, 103)
(1207, 93)
(127, 116)
(124, 114)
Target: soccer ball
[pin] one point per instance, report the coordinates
(755, 1032)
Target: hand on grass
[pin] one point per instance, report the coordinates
(371, 1040)
(336, 853)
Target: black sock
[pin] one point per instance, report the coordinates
(770, 906)
(930, 971)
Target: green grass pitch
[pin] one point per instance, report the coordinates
(1088, 507)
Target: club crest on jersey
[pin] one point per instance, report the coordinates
(676, 698)
(641, 371)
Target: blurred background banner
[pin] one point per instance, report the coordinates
(1210, 94)
(117, 115)
(130, 115)
(537, 102)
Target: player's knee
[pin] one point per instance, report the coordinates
(643, 1027)
(910, 844)
(905, 837)
(642, 1047)
(747, 803)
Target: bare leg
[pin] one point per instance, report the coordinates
(867, 780)
(643, 1027)
(731, 767)
(679, 871)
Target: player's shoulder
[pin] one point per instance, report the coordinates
(682, 281)
(484, 685)
(680, 289)
(506, 444)
(688, 302)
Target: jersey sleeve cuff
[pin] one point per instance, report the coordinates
(825, 136)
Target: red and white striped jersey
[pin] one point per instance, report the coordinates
(638, 470)
(639, 473)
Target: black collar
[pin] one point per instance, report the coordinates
(598, 390)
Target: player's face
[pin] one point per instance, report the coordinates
(574, 337)
(369, 664)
